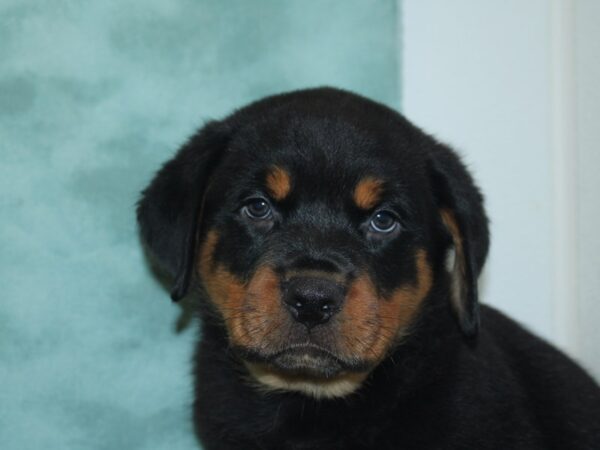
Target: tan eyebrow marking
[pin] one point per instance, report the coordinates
(367, 192)
(278, 182)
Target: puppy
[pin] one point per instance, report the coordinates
(336, 248)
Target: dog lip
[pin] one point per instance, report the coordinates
(307, 360)
(307, 347)
(303, 359)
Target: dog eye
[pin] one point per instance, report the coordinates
(257, 209)
(383, 222)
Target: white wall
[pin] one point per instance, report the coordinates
(497, 81)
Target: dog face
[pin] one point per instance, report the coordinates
(318, 223)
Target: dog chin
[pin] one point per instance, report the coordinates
(310, 370)
(308, 362)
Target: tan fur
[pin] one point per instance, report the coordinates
(279, 183)
(367, 193)
(359, 320)
(457, 264)
(339, 386)
(407, 299)
(371, 325)
(252, 310)
(263, 311)
(223, 288)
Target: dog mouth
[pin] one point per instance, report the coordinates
(308, 360)
(303, 360)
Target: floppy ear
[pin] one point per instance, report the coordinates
(461, 208)
(169, 211)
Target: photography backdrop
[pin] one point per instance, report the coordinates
(94, 96)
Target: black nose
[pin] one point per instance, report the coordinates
(312, 301)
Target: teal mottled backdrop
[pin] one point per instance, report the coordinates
(93, 97)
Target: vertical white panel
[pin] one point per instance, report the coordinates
(587, 40)
(564, 157)
(478, 76)
(514, 86)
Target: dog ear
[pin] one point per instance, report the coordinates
(170, 208)
(460, 204)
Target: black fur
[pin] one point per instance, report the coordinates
(450, 383)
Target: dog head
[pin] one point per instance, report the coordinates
(318, 224)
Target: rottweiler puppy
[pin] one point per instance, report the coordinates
(336, 248)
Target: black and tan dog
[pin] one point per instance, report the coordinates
(337, 249)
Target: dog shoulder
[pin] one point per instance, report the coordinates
(560, 394)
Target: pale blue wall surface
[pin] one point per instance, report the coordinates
(93, 97)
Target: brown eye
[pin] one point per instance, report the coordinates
(257, 209)
(383, 222)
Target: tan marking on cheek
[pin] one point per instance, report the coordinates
(225, 290)
(405, 301)
(398, 312)
(251, 311)
(359, 320)
(370, 324)
(367, 192)
(263, 314)
(278, 183)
